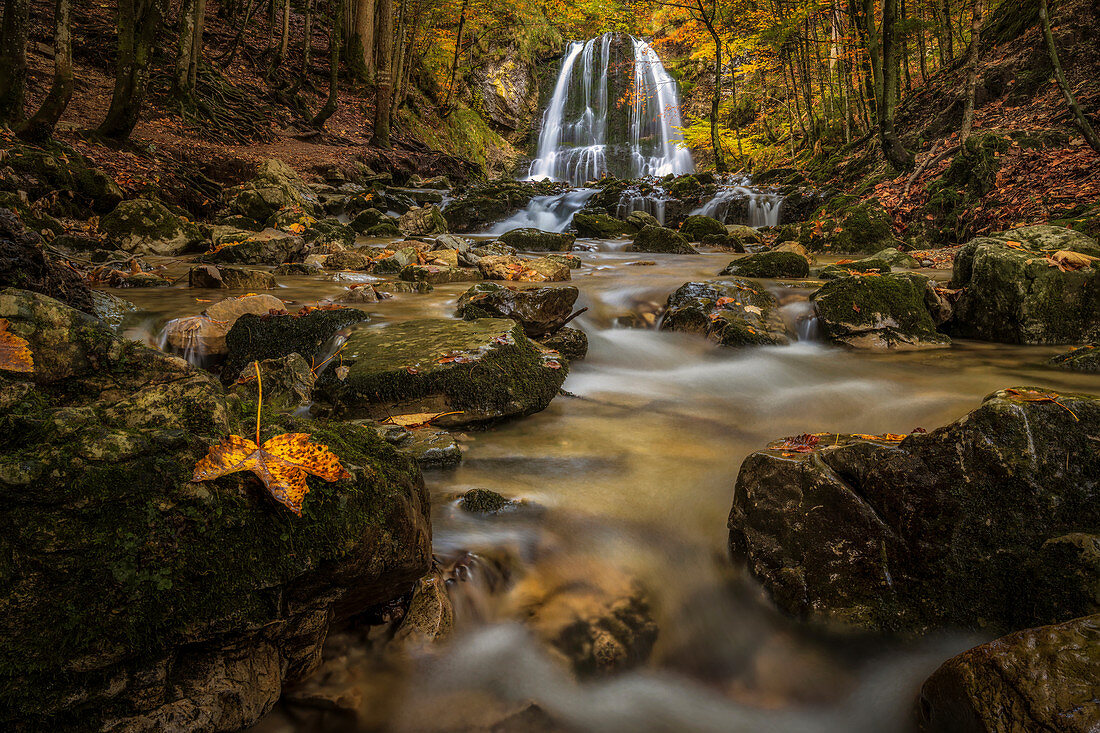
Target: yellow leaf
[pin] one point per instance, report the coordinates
(15, 353)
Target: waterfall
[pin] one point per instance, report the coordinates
(761, 209)
(591, 129)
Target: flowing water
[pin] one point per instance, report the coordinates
(762, 206)
(634, 472)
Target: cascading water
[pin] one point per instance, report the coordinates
(591, 129)
(761, 209)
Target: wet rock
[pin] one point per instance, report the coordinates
(211, 276)
(796, 248)
(639, 220)
(539, 310)
(769, 265)
(661, 239)
(730, 312)
(886, 312)
(205, 334)
(571, 343)
(429, 447)
(419, 221)
(1083, 359)
(227, 597)
(723, 241)
(430, 616)
(366, 221)
(482, 370)
(1041, 679)
(255, 338)
(365, 293)
(1016, 296)
(868, 264)
(941, 529)
(348, 261)
(698, 226)
(397, 259)
(896, 258)
(485, 501)
(268, 247)
(145, 227)
(599, 225)
(287, 382)
(275, 186)
(536, 240)
(399, 286)
(438, 274)
(328, 235)
(298, 268)
(510, 267)
(144, 280)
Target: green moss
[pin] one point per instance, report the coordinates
(769, 265)
(848, 224)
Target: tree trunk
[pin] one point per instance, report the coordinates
(360, 39)
(284, 38)
(383, 95)
(949, 47)
(307, 41)
(326, 111)
(13, 60)
(1071, 101)
(191, 17)
(715, 102)
(446, 107)
(41, 125)
(138, 26)
(971, 72)
(892, 148)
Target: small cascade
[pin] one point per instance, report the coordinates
(651, 202)
(196, 338)
(744, 205)
(548, 213)
(610, 124)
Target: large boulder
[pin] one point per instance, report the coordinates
(599, 225)
(422, 221)
(945, 528)
(144, 227)
(769, 265)
(275, 186)
(730, 312)
(212, 276)
(267, 247)
(881, 312)
(540, 311)
(480, 370)
(847, 224)
(307, 332)
(698, 226)
(200, 338)
(535, 240)
(1041, 679)
(661, 239)
(522, 269)
(1018, 295)
(137, 600)
(1045, 237)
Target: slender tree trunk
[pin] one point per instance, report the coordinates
(13, 60)
(446, 107)
(715, 103)
(921, 46)
(1071, 101)
(360, 38)
(949, 47)
(41, 125)
(892, 148)
(383, 95)
(191, 21)
(399, 53)
(284, 38)
(196, 44)
(138, 26)
(337, 12)
(307, 41)
(971, 72)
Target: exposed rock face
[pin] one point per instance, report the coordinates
(698, 226)
(535, 240)
(211, 276)
(483, 370)
(769, 265)
(539, 310)
(224, 596)
(730, 312)
(943, 528)
(274, 187)
(148, 228)
(1017, 295)
(421, 221)
(888, 312)
(510, 267)
(602, 226)
(661, 239)
(506, 89)
(272, 336)
(1041, 679)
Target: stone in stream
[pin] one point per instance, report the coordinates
(1021, 296)
(429, 447)
(774, 264)
(1083, 359)
(571, 343)
(145, 227)
(347, 261)
(797, 248)
(639, 220)
(1039, 679)
(399, 259)
(744, 234)
(271, 336)
(698, 226)
(896, 258)
(204, 336)
(482, 370)
(366, 221)
(540, 311)
(510, 267)
(439, 274)
(287, 382)
(226, 596)
(486, 501)
(599, 225)
(883, 312)
(234, 278)
(865, 265)
(424, 220)
(661, 239)
(945, 528)
(529, 239)
(730, 312)
(268, 247)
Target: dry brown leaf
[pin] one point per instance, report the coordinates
(416, 419)
(15, 353)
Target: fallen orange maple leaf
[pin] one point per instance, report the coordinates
(281, 463)
(15, 353)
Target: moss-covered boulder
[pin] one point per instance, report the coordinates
(480, 370)
(884, 312)
(1018, 295)
(729, 312)
(368, 221)
(698, 226)
(275, 186)
(944, 528)
(137, 600)
(599, 225)
(769, 265)
(212, 276)
(571, 343)
(528, 239)
(896, 258)
(267, 247)
(539, 310)
(1040, 679)
(144, 227)
(439, 274)
(639, 220)
(661, 239)
(56, 166)
(1048, 238)
(422, 221)
(1083, 359)
(848, 224)
(308, 332)
(872, 265)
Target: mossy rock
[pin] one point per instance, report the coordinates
(639, 220)
(769, 265)
(482, 370)
(254, 338)
(885, 312)
(1083, 359)
(698, 226)
(661, 240)
(539, 310)
(685, 187)
(895, 258)
(121, 568)
(59, 167)
(571, 343)
(849, 225)
(729, 312)
(871, 265)
(598, 225)
(1048, 238)
(275, 186)
(439, 274)
(145, 227)
(269, 247)
(528, 239)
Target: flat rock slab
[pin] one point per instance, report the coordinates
(483, 370)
